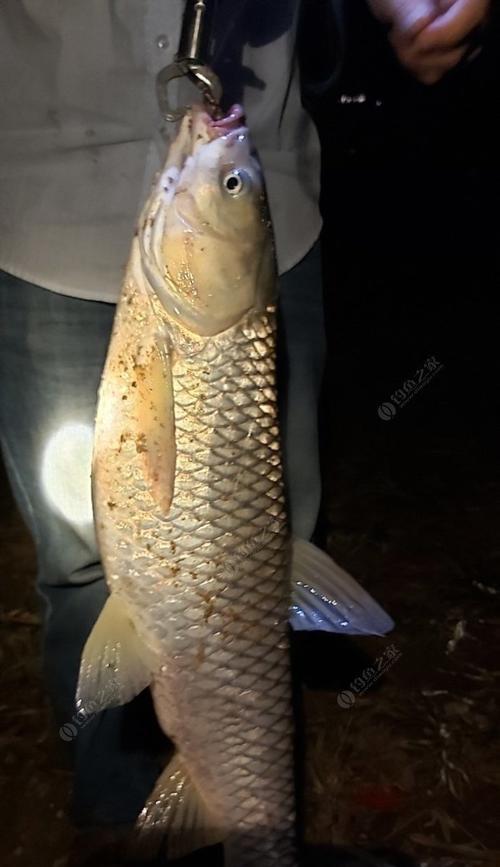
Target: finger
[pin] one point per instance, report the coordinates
(452, 27)
(430, 68)
(415, 50)
(433, 74)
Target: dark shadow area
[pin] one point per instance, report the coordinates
(328, 662)
(411, 183)
(336, 856)
(237, 25)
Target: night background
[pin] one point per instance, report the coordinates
(401, 733)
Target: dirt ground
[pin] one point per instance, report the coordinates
(401, 740)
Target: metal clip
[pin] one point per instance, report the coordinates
(202, 76)
(190, 60)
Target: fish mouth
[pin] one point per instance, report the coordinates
(233, 122)
(205, 128)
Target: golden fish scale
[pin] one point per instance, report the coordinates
(208, 584)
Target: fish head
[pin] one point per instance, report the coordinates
(207, 246)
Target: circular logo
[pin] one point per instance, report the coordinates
(68, 732)
(346, 699)
(386, 411)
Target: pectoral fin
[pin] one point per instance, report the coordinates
(116, 665)
(154, 406)
(135, 416)
(326, 598)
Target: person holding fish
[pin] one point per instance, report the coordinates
(188, 395)
(82, 139)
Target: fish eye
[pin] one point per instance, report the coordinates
(236, 182)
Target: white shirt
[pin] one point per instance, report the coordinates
(81, 134)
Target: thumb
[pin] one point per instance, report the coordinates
(410, 17)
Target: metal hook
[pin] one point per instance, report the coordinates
(202, 76)
(176, 69)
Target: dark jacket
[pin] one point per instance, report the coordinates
(411, 195)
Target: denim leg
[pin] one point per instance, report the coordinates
(52, 350)
(301, 361)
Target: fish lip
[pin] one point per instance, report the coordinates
(204, 130)
(234, 118)
(227, 127)
(238, 134)
(227, 135)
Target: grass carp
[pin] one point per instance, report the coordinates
(190, 510)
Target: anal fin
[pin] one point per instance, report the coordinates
(176, 811)
(326, 598)
(116, 665)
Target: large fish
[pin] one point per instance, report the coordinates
(190, 513)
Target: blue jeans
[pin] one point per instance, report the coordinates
(52, 351)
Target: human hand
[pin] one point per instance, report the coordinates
(430, 37)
